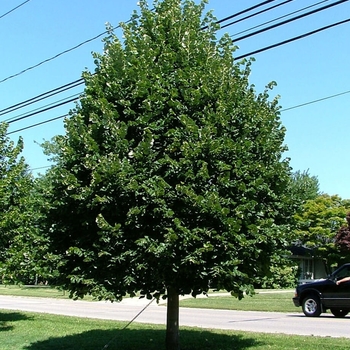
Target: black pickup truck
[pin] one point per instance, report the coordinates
(320, 295)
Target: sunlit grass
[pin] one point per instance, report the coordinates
(34, 331)
(33, 291)
(277, 301)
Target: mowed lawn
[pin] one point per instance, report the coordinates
(35, 331)
(263, 300)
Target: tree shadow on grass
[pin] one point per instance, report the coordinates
(146, 339)
(7, 318)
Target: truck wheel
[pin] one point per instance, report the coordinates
(312, 306)
(339, 313)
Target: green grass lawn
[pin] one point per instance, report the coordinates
(33, 291)
(279, 301)
(263, 300)
(33, 331)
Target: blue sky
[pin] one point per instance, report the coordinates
(305, 70)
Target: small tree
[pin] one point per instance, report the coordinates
(304, 186)
(318, 224)
(342, 239)
(169, 180)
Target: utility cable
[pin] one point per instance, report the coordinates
(256, 13)
(240, 13)
(61, 53)
(81, 81)
(43, 109)
(42, 96)
(38, 124)
(105, 32)
(282, 110)
(15, 8)
(315, 101)
(291, 39)
(236, 58)
(275, 19)
(52, 58)
(291, 20)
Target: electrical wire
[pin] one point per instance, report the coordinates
(256, 13)
(276, 19)
(236, 58)
(43, 109)
(292, 39)
(15, 8)
(282, 110)
(61, 53)
(37, 124)
(51, 58)
(290, 20)
(241, 12)
(315, 101)
(81, 81)
(42, 96)
(105, 32)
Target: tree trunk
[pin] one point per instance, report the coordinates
(172, 323)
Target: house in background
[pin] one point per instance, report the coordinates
(310, 266)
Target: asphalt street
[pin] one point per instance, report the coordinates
(267, 322)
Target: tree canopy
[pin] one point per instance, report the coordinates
(318, 224)
(305, 186)
(170, 178)
(342, 239)
(16, 225)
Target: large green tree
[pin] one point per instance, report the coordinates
(170, 177)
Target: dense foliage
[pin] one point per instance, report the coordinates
(318, 224)
(18, 254)
(342, 239)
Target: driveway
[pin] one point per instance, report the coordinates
(267, 322)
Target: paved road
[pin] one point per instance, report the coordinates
(267, 322)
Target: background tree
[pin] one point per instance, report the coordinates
(342, 239)
(318, 224)
(284, 272)
(305, 186)
(170, 178)
(16, 220)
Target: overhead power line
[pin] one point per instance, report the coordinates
(41, 110)
(80, 81)
(42, 96)
(51, 58)
(105, 32)
(236, 58)
(292, 39)
(291, 20)
(37, 124)
(15, 8)
(315, 101)
(61, 53)
(241, 12)
(256, 13)
(276, 19)
(282, 110)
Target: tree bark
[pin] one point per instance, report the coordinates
(172, 324)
